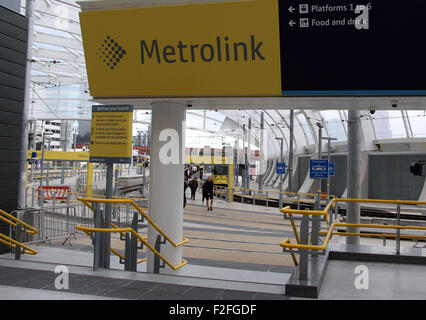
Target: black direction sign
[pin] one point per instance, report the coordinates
(336, 47)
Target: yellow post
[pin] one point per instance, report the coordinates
(231, 179)
(89, 189)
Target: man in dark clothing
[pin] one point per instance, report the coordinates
(194, 186)
(208, 186)
(203, 187)
(185, 185)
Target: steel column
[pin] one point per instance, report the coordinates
(108, 206)
(30, 14)
(354, 173)
(316, 220)
(261, 147)
(291, 153)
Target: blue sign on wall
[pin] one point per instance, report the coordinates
(281, 167)
(318, 169)
(331, 171)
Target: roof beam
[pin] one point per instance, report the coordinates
(53, 54)
(58, 41)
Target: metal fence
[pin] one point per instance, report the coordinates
(58, 222)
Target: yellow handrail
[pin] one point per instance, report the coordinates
(287, 241)
(13, 243)
(334, 200)
(123, 258)
(112, 249)
(133, 203)
(29, 229)
(330, 232)
(137, 235)
(293, 225)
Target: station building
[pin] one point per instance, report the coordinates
(318, 177)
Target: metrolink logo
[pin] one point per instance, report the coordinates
(219, 50)
(110, 52)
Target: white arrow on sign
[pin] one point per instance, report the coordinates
(292, 9)
(292, 23)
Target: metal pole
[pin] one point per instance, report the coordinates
(248, 155)
(74, 144)
(108, 195)
(29, 13)
(354, 173)
(281, 176)
(398, 231)
(243, 180)
(261, 147)
(328, 176)
(143, 177)
(97, 238)
(48, 165)
(315, 218)
(236, 163)
(64, 146)
(291, 153)
(41, 193)
(304, 254)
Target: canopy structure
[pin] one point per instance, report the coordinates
(60, 91)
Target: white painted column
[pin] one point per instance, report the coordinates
(166, 178)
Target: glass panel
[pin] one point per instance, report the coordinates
(306, 128)
(334, 124)
(215, 115)
(194, 121)
(418, 122)
(213, 125)
(389, 124)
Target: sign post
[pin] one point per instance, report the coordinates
(110, 142)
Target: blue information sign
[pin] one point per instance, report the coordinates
(281, 167)
(331, 169)
(318, 169)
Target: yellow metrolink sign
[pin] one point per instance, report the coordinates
(215, 49)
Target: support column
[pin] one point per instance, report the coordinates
(29, 13)
(248, 155)
(261, 148)
(316, 220)
(166, 178)
(244, 172)
(291, 153)
(354, 172)
(89, 180)
(107, 214)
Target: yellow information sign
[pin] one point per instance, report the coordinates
(215, 49)
(111, 134)
(60, 155)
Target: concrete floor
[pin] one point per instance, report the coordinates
(387, 281)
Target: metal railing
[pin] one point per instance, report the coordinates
(134, 205)
(22, 228)
(132, 231)
(118, 254)
(264, 195)
(140, 238)
(305, 247)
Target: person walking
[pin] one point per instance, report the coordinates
(204, 193)
(193, 185)
(208, 185)
(185, 186)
